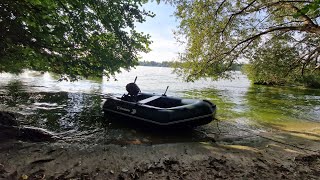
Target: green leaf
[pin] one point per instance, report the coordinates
(71, 38)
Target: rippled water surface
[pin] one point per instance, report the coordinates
(42, 101)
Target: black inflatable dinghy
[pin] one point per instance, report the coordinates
(159, 110)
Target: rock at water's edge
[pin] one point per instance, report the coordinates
(8, 119)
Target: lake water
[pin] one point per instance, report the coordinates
(42, 101)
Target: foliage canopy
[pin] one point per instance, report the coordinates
(71, 38)
(270, 34)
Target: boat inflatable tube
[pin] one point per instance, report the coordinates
(161, 110)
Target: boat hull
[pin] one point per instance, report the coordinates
(163, 111)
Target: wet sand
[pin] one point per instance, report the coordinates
(227, 152)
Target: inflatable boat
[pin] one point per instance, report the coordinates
(159, 110)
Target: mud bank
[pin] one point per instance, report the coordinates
(222, 156)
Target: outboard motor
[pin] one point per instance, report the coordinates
(133, 89)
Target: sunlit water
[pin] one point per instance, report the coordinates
(42, 101)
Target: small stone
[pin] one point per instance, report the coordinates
(76, 164)
(124, 170)
(150, 173)
(24, 177)
(111, 171)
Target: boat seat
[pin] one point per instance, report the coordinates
(152, 98)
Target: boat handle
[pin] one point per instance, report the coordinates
(164, 94)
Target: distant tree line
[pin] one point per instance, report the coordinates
(234, 67)
(157, 64)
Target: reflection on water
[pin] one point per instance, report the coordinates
(283, 104)
(56, 111)
(63, 106)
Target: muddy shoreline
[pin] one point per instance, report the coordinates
(168, 161)
(224, 154)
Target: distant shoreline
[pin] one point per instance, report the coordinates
(235, 67)
(156, 64)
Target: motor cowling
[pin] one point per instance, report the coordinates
(133, 89)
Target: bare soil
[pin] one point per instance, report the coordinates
(230, 154)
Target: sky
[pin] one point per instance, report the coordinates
(161, 27)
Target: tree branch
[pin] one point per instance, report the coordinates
(263, 33)
(235, 14)
(219, 7)
(304, 16)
